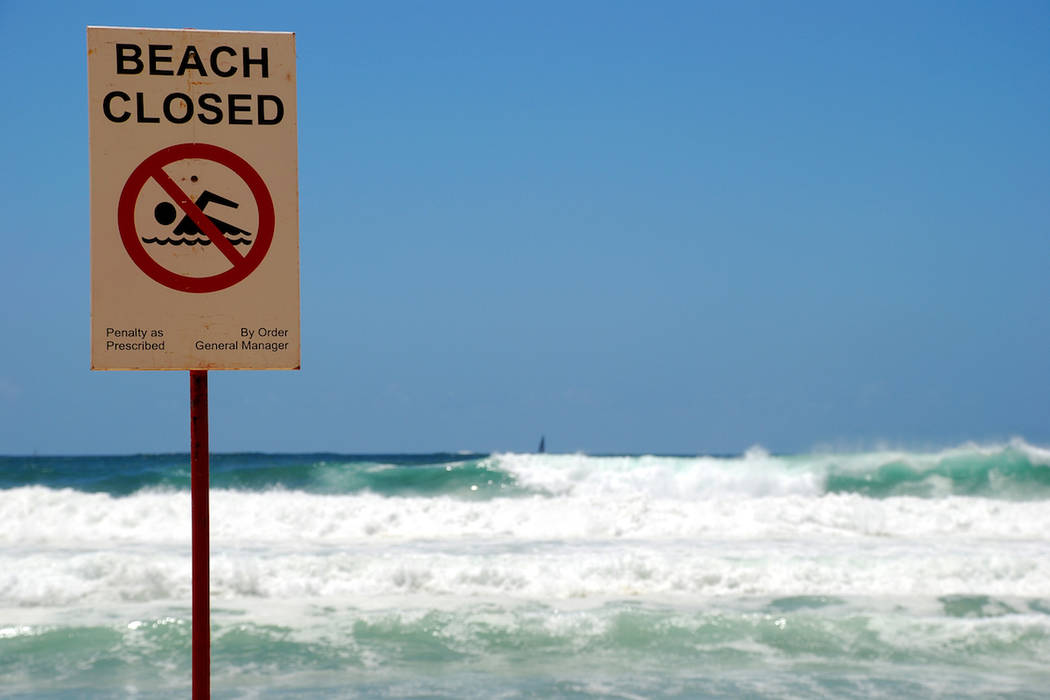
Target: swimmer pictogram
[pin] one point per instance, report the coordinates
(188, 233)
(195, 228)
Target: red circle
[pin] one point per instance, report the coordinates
(184, 283)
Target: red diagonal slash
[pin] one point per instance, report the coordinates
(206, 225)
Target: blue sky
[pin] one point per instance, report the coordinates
(634, 227)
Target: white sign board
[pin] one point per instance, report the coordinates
(194, 199)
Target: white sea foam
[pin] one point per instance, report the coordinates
(675, 565)
(755, 474)
(35, 516)
(70, 548)
(551, 573)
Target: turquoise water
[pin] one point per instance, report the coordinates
(877, 574)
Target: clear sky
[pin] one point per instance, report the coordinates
(670, 227)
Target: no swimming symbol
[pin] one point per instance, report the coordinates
(187, 232)
(195, 227)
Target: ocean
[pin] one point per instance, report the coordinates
(882, 574)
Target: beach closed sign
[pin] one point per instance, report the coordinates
(194, 199)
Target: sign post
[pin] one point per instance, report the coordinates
(194, 224)
(201, 607)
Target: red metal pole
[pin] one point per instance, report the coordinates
(201, 623)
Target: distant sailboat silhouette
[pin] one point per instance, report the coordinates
(543, 446)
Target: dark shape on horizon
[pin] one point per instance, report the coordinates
(543, 444)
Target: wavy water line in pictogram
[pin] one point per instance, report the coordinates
(193, 241)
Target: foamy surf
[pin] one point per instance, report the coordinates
(878, 574)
